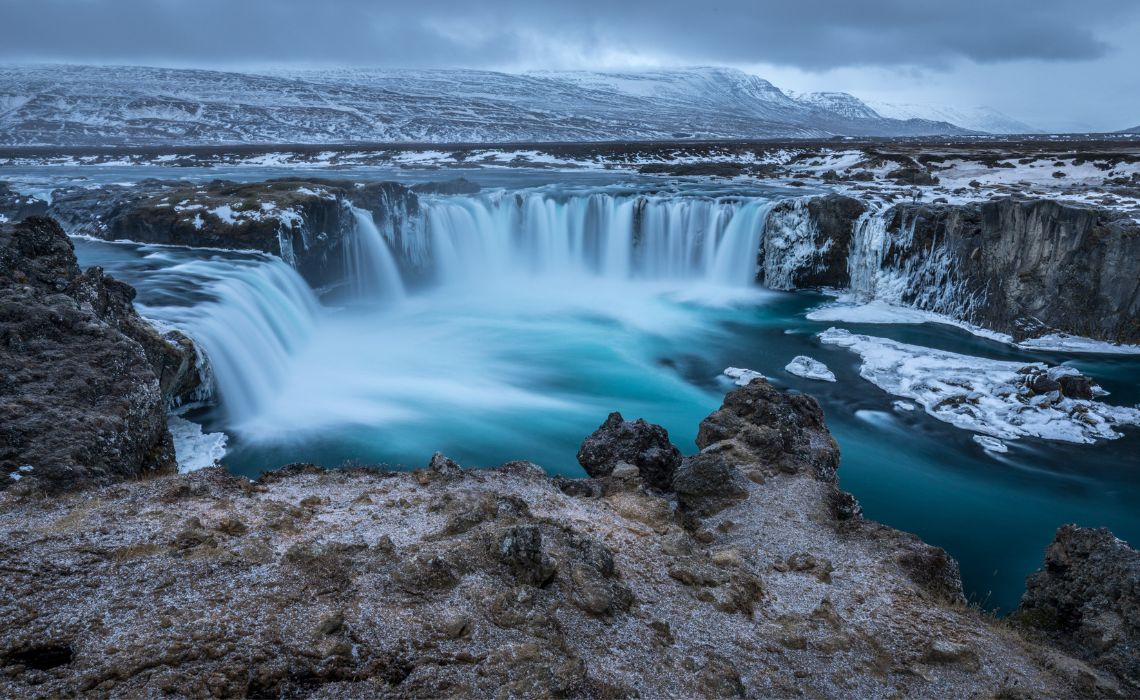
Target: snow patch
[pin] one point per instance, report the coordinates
(979, 394)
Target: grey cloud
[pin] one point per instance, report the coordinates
(808, 34)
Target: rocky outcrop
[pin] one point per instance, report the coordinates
(1023, 267)
(17, 207)
(84, 381)
(446, 582)
(305, 222)
(1087, 599)
(1026, 267)
(636, 444)
(807, 243)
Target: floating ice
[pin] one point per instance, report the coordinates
(903, 406)
(1064, 342)
(742, 377)
(194, 449)
(808, 368)
(979, 394)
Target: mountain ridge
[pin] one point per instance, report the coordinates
(67, 105)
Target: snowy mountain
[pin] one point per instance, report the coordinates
(99, 105)
(1133, 130)
(984, 119)
(842, 103)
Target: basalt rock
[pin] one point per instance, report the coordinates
(781, 430)
(807, 243)
(1087, 599)
(634, 442)
(81, 400)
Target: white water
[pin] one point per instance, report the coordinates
(597, 235)
(372, 270)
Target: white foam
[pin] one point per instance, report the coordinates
(808, 368)
(194, 449)
(979, 394)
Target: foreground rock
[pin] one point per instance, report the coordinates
(84, 381)
(505, 583)
(308, 223)
(1087, 599)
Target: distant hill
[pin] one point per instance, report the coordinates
(99, 105)
(984, 119)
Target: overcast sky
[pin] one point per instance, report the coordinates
(1057, 64)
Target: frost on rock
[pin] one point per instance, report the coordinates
(1006, 400)
(742, 377)
(808, 368)
(193, 448)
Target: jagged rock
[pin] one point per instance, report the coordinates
(807, 242)
(80, 396)
(780, 430)
(1087, 598)
(641, 444)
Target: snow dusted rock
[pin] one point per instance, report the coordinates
(808, 368)
(1087, 598)
(1002, 399)
(807, 242)
(306, 222)
(447, 582)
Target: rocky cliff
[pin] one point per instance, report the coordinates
(305, 222)
(1023, 267)
(738, 571)
(84, 381)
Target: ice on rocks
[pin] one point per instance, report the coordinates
(979, 394)
(808, 368)
(193, 448)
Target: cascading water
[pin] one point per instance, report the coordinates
(249, 314)
(372, 270)
(622, 237)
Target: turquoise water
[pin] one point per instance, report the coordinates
(524, 367)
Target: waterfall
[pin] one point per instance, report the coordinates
(372, 270)
(249, 315)
(868, 247)
(604, 235)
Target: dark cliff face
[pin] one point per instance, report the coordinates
(305, 222)
(81, 401)
(1027, 267)
(826, 230)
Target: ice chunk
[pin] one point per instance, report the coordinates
(975, 393)
(808, 368)
(742, 377)
(194, 449)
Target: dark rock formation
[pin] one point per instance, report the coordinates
(634, 442)
(784, 431)
(16, 207)
(81, 401)
(305, 222)
(1023, 267)
(822, 225)
(1087, 599)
